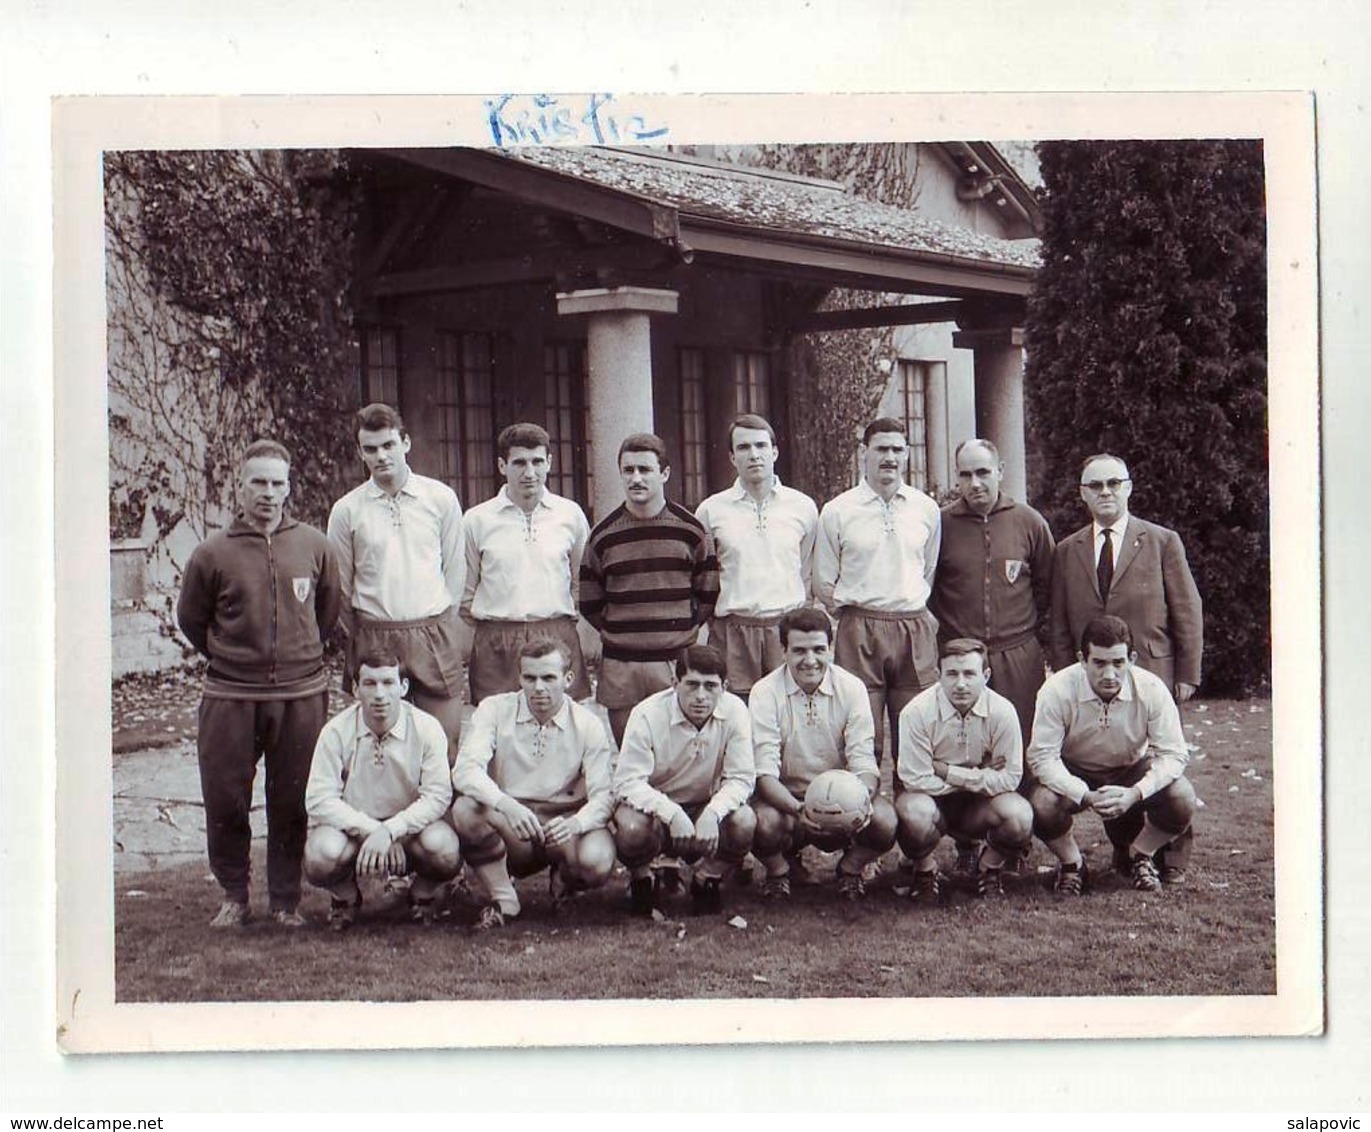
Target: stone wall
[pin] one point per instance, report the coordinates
(137, 642)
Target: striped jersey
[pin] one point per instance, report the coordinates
(648, 584)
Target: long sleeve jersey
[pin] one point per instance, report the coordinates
(563, 762)
(667, 763)
(1075, 731)
(360, 780)
(931, 728)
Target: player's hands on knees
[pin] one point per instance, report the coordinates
(559, 831)
(707, 834)
(1114, 801)
(373, 858)
(682, 831)
(523, 821)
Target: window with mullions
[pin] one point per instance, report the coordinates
(912, 379)
(465, 405)
(752, 383)
(381, 365)
(564, 392)
(694, 428)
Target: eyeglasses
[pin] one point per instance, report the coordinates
(1098, 486)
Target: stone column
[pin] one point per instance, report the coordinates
(999, 399)
(619, 385)
(935, 424)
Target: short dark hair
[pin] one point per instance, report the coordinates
(805, 619)
(645, 442)
(522, 434)
(1102, 456)
(749, 420)
(883, 424)
(379, 417)
(536, 647)
(964, 646)
(272, 448)
(1106, 631)
(379, 658)
(704, 659)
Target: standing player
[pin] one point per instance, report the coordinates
(1107, 737)
(961, 756)
(533, 785)
(257, 599)
(378, 790)
(398, 538)
(682, 782)
(763, 533)
(649, 579)
(810, 716)
(873, 566)
(523, 559)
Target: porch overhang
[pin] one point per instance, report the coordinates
(664, 235)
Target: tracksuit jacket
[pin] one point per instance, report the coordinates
(258, 606)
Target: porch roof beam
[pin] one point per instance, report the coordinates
(549, 189)
(861, 318)
(843, 263)
(540, 268)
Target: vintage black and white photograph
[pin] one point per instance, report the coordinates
(601, 568)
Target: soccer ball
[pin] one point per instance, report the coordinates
(837, 802)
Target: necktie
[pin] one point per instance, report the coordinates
(1105, 570)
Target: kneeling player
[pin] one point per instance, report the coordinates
(532, 778)
(684, 776)
(961, 757)
(1107, 737)
(377, 792)
(809, 716)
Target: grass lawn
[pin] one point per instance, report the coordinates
(1216, 936)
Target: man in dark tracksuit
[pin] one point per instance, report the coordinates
(993, 584)
(994, 577)
(257, 600)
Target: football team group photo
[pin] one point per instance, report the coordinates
(664, 613)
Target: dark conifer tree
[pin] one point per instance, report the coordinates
(1146, 338)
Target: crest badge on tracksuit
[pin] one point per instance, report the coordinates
(1012, 569)
(301, 588)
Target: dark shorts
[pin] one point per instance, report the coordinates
(494, 666)
(429, 648)
(888, 650)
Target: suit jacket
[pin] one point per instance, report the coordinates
(1152, 590)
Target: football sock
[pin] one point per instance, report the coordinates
(1151, 839)
(1066, 850)
(927, 863)
(494, 878)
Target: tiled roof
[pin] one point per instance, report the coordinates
(753, 199)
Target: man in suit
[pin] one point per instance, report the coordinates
(1127, 567)
(1135, 570)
